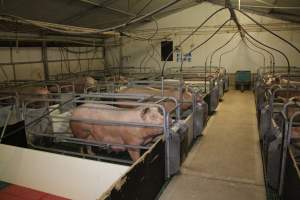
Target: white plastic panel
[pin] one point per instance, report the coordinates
(65, 176)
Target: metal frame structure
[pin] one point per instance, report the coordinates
(87, 99)
(275, 134)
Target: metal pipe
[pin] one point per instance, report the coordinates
(50, 61)
(271, 7)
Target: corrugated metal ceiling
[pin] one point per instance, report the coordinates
(84, 13)
(283, 9)
(99, 14)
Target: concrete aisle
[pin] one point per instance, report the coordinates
(225, 163)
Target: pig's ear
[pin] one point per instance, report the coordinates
(144, 111)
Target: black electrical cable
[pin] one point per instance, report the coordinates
(271, 55)
(283, 54)
(268, 30)
(228, 52)
(212, 54)
(145, 39)
(190, 35)
(143, 60)
(198, 46)
(80, 52)
(260, 53)
(152, 57)
(144, 7)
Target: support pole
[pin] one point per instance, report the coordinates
(12, 61)
(45, 61)
(121, 64)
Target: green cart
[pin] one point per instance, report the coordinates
(242, 80)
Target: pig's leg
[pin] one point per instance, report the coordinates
(134, 154)
(89, 148)
(133, 140)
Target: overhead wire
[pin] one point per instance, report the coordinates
(142, 38)
(204, 42)
(263, 44)
(80, 52)
(222, 46)
(260, 53)
(190, 35)
(226, 52)
(152, 57)
(144, 7)
(272, 58)
(268, 30)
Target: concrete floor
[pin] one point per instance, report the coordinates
(225, 163)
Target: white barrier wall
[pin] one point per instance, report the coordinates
(65, 176)
(135, 51)
(60, 61)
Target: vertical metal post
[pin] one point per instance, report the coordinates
(162, 86)
(12, 62)
(181, 84)
(286, 142)
(104, 57)
(194, 103)
(121, 64)
(167, 144)
(45, 60)
(78, 56)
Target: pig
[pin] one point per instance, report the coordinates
(295, 132)
(118, 79)
(25, 93)
(121, 134)
(64, 88)
(169, 105)
(84, 82)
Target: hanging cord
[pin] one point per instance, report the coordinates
(93, 58)
(143, 8)
(283, 54)
(272, 58)
(260, 53)
(65, 60)
(268, 30)
(226, 52)
(142, 38)
(212, 54)
(190, 35)
(79, 52)
(210, 37)
(152, 57)
(198, 46)
(158, 54)
(111, 56)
